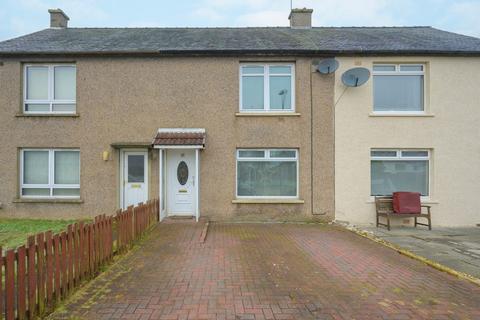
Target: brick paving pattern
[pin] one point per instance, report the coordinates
(270, 271)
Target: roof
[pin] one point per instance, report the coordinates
(180, 137)
(230, 41)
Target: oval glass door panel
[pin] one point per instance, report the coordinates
(182, 173)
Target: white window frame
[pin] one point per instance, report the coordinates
(404, 158)
(266, 86)
(266, 157)
(398, 72)
(51, 176)
(51, 90)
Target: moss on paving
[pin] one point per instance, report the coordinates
(14, 232)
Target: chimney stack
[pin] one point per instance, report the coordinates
(58, 18)
(301, 18)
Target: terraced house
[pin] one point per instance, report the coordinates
(237, 123)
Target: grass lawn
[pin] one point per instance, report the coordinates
(14, 232)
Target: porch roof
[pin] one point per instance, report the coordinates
(170, 137)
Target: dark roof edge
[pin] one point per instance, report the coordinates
(228, 53)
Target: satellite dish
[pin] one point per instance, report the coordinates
(355, 77)
(327, 66)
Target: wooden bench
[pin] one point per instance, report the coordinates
(384, 207)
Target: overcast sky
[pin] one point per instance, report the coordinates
(18, 17)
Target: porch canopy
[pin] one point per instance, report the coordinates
(179, 138)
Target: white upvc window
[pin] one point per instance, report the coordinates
(50, 173)
(267, 173)
(267, 87)
(400, 170)
(49, 88)
(399, 88)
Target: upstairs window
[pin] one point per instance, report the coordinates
(399, 170)
(50, 173)
(398, 88)
(267, 88)
(50, 88)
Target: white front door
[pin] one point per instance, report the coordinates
(181, 178)
(135, 184)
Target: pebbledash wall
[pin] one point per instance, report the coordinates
(128, 99)
(450, 129)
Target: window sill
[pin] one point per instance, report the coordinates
(268, 201)
(47, 200)
(267, 114)
(47, 115)
(393, 114)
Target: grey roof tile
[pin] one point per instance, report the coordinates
(275, 40)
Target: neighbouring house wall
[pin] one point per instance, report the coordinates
(128, 99)
(451, 131)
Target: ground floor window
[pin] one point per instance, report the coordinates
(399, 170)
(50, 173)
(267, 173)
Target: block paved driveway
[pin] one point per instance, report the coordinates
(269, 271)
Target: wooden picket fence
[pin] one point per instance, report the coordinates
(36, 276)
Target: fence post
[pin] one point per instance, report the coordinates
(1, 283)
(71, 257)
(41, 273)
(81, 240)
(21, 286)
(57, 274)
(76, 255)
(32, 285)
(10, 285)
(49, 262)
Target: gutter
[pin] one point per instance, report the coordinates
(241, 52)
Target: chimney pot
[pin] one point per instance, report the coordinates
(58, 18)
(301, 18)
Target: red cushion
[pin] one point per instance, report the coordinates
(406, 202)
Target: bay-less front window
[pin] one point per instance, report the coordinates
(398, 88)
(50, 173)
(267, 173)
(267, 87)
(399, 170)
(50, 88)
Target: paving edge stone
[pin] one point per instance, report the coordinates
(203, 236)
(433, 264)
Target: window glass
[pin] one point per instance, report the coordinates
(384, 68)
(267, 178)
(136, 168)
(35, 167)
(67, 167)
(39, 192)
(399, 175)
(251, 154)
(283, 154)
(65, 83)
(383, 153)
(66, 192)
(252, 93)
(253, 69)
(398, 93)
(415, 153)
(280, 92)
(411, 68)
(64, 107)
(37, 83)
(280, 70)
(37, 107)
